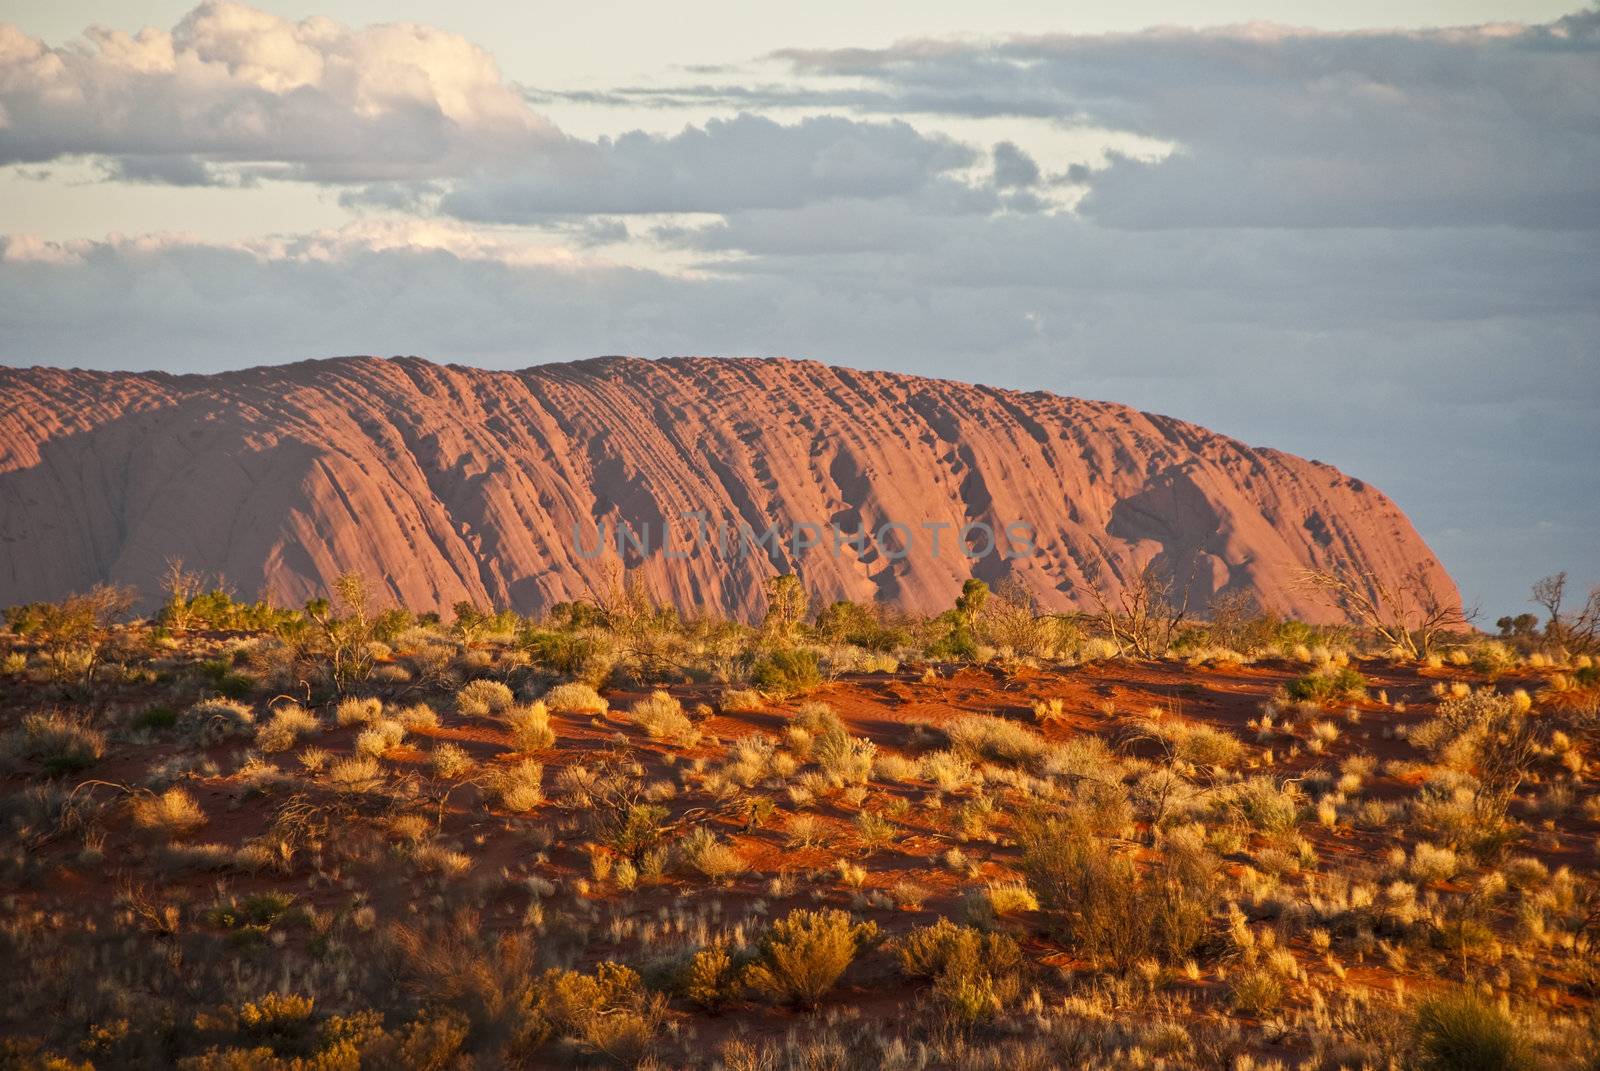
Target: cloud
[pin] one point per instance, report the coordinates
(1287, 127)
(1013, 167)
(726, 165)
(232, 84)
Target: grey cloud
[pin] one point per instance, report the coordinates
(1297, 128)
(1013, 167)
(169, 171)
(728, 164)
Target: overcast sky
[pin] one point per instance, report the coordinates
(1365, 233)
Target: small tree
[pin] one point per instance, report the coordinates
(342, 627)
(1578, 632)
(1146, 614)
(787, 603)
(1408, 614)
(1230, 615)
(974, 593)
(182, 587)
(72, 634)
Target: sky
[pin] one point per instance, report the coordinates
(1365, 233)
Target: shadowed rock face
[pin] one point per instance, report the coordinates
(453, 483)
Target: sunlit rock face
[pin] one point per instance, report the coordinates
(447, 483)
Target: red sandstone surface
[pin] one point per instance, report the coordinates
(452, 483)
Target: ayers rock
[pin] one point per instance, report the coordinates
(454, 483)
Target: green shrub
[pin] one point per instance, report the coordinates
(803, 955)
(1328, 684)
(156, 718)
(1459, 1032)
(786, 672)
(226, 680)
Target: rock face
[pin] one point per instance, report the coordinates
(452, 483)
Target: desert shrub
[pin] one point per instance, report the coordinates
(845, 758)
(1269, 807)
(974, 974)
(1010, 898)
(947, 770)
(1082, 757)
(493, 981)
(786, 672)
(742, 701)
(520, 786)
(888, 766)
(608, 1011)
(874, 829)
(1202, 745)
(72, 634)
(712, 977)
(286, 725)
(1328, 684)
(1112, 911)
(618, 815)
(530, 727)
(662, 718)
(418, 718)
(1431, 863)
(1489, 735)
(1049, 710)
(805, 831)
(712, 856)
(377, 739)
(356, 773)
(908, 895)
(575, 698)
(803, 954)
(981, 736)
(450, 761)
(213, 721)
(1255, 991)
(1460, 1032)
(56, 741)
(357, 711)
(480, 698)
(170, 814)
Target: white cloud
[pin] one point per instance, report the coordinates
(232, 84)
